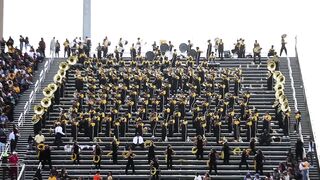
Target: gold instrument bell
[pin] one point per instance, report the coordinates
(148, 143)
(279, 87)
(153, 171)
(35, 119)
(73, 156)
(57, 78)
(41, 147)
(271, 66)
(46, 102)
(39, 110)
(125, 154)
(281, 79)
(62, 73)
(96, 159)
(53, 86)
(194, 150)
(276, 74)
(47, 92)
(72, 60)
(64, 66)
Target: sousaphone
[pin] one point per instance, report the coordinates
(46, 102)
(39, 110)
(271, 66)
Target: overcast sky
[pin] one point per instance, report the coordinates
(179, 21)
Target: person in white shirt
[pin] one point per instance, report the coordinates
(58, 134)
(53, 46)
(39, 138)
(304, 168)
(197, 177)
(12, 140)
(138, 141)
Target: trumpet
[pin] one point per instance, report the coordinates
(46, 102)
(47, 92)
(39, 110)
(73, 156)
(96, 159)
(64, 66)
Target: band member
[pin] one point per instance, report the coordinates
(209, 49)
(217, 129)
(297, 118)
(138, 45)
(58, 135)
(46, 157)
(256, 52)
(271, 52)
(244, 158)
(184, 129)
(190, 45)
(199, 143)
(270, 80)
(236, 129)
(79, 83)
(114, 151)
(259, 160)
(286, 123)
(299, 150)
(76, 152)
(213, 161)
(151, 152)
(133, 52)
(106, 43)
(252, 146)
(97, 153)
(242, 49)
(154, 166)
(170, 46)
(198, 54)
(154, 119)
(226, 153)
(169, 153)
(130, 162)
(164, 131)
(220, 49)
(266, 122)
(283, 46)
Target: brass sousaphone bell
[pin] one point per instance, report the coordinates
(279, 87)
(72, 60)
(39, 110)
(57, 78)
(62, 73)
(276, 74)
(64, 66)
(46, 102)
(281, 79)
(47, 92)
(35, 119)
(271, 66)
(53, 86)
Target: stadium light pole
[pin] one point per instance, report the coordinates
(86, 19)
(1, 18)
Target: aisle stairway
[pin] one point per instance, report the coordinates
(302, 107)
(185, 163)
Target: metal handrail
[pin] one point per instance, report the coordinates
(21, 174)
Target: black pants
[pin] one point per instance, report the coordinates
(46, 161)
(283, 48)
(220, 54)
(12, 145)
(130, 164)
(200, 154)
(259, 168)
(213, 165)
(226, 159)
(256, 55)
(169, 163)
(244, 162)
(77, 160)
(114, 158)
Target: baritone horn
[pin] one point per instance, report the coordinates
(96, 158)
(39, 110)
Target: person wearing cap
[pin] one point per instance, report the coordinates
(39, 138)
(13, 160)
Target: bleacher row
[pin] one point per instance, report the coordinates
(185, 163)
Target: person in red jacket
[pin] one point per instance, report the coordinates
(97, 176)
(13, 161)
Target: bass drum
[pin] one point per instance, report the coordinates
(192, 53)
(150, 55)
(164, 48)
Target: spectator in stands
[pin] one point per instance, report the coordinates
(3, 120)
(3, 140)
(13, 161)
(64, 174)
(26, 42)
(256, 177)
(12, 140)
(52, 46)
(247, 177)
(304, 168)
(197, 177)
(311, 150)
(109, 177)
(268, 177)
(57, 49)
(39, 138)
(97, 176)
(299, 149)
(52, 177)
